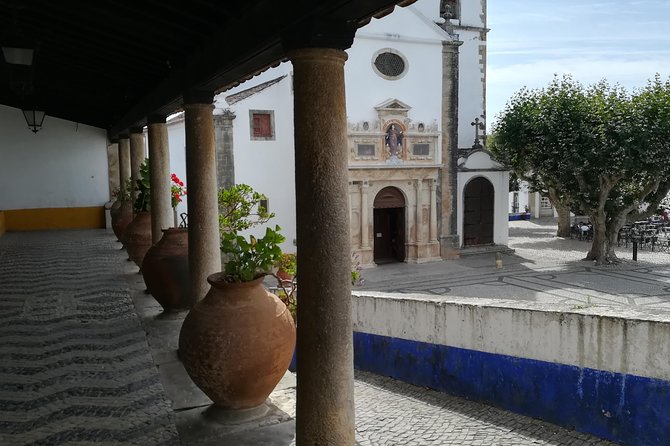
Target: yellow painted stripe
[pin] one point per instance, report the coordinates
(54, 218)
(2, 223)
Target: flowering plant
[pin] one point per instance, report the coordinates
(177, 190)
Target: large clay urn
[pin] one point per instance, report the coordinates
(137, 238)
(237, 343)
(122, 215)
(165, 270)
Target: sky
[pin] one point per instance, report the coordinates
(623, 41)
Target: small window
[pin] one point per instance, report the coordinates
(545, 203)
(366, 150)
(262, 124)
(421, 149)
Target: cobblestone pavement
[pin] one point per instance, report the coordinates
(75, 365)
(393, 413)
(544, 269)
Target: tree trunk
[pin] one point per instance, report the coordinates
(563, 210)
(563, 220)
(604, 240)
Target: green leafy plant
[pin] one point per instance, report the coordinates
(142, 187)
(356, 279)
(252, 258)
(287, 263)
(240, 208)
(122, 194)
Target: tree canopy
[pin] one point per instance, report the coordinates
(598, 149)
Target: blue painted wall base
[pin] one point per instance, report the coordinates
(628, 409)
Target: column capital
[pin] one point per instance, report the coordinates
(198, 97)
(114, 141)
(451, 46)
(156, 119)
(320, 33)
(124, 136)
(136, 130)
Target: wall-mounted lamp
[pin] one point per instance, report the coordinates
(18, 55)
(34, 119)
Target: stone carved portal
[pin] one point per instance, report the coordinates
(478, 212)
(389, 226)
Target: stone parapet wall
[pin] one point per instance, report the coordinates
(601, 370)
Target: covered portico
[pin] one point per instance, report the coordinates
(122, 66)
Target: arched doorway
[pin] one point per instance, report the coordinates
(478, 206)
(389, 226)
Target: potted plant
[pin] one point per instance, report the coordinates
(138, 234)
(165, 265)
(237, 342)
(122, 209)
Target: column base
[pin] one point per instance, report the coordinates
(450, 247)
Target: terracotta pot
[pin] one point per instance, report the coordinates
(165, 270)
(237, 343)
(137, 237)
(122, 215)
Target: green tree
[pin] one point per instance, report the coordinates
(599, 150)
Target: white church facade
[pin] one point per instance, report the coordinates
(421, 185)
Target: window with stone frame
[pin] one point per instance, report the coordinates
(422, 149)
(545, 203)
(366, 149)
(262, 125)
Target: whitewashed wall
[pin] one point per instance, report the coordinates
(268, 166)
(63, 165)
(420, 42)
(177, 142)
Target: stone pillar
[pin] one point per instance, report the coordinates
(448, 187)
(113, 174)
(204, 255)
(159, 165)
(136, 154)
(418, 224)
(325, 388)
(365, 242)
(433, 212)
(124, 160)
(225, 161)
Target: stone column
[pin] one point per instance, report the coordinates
(136, 154)
(418, 220)
(124, 160)
(159, 165)
(225, 161)
(204, 255)
(448, 187)
(325, 394)
(433, 212)
(113, 166)
(365, 242)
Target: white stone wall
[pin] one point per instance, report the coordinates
(620, 340)
(268, 166)
(177, 143)
(63, 165)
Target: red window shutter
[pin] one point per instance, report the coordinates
(262, 125)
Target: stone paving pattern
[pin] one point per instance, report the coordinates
(76, 367)
(543, 269)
